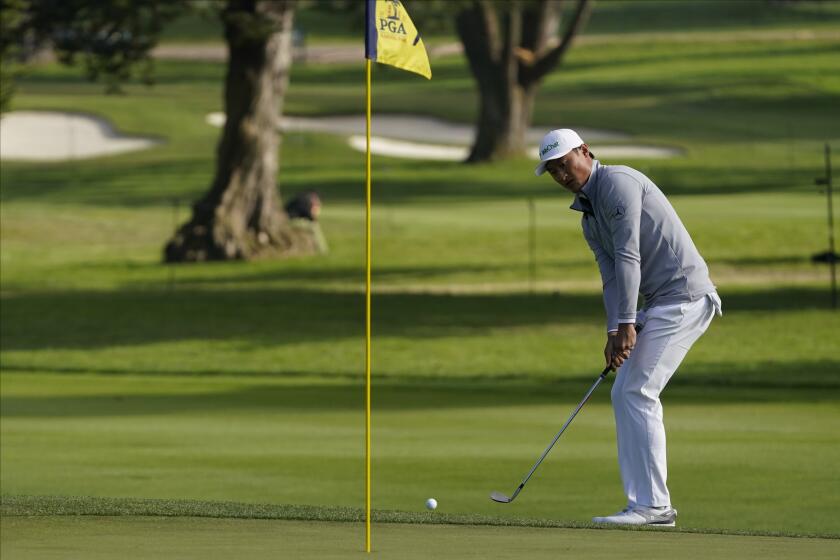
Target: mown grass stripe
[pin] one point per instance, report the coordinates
(18, 505)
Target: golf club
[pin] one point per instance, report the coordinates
(503, 499)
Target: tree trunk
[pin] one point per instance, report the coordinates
(241, 217)
(505, 112)
(510, 47)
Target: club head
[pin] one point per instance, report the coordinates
(499, 497)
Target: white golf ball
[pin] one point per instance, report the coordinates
(431, 503)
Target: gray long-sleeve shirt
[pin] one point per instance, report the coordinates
(639, 242)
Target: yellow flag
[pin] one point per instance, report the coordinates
(391, 38)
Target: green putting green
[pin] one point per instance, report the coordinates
(132, 538)
(271, 439)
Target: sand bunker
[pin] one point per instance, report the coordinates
(54, 136)
(408, 150)
(415, 137)
(414, 150)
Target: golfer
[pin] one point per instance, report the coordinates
(641, 247)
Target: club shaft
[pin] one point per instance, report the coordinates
(566, 425)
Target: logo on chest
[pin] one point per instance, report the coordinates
(618, 213)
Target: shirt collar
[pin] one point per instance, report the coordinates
(585, 197)
(588, 189)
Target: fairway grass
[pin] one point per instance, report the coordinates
(268, 439)
(133, 538)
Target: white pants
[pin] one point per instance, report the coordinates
(667, 334)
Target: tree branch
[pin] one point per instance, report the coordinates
(540, 25)
(478, 28)
(545, 63)
(511, 41)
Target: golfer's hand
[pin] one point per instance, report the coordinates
(623, 343)
(609, 350)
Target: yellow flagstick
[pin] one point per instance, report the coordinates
(390, 38)
(367, 321)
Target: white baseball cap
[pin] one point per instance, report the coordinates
(557, 144)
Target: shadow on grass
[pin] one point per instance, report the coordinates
(768, 382)
(161, 185)
(276, 317)
(108, 183)
(161, 182)
(266, 317)
(351, 275)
